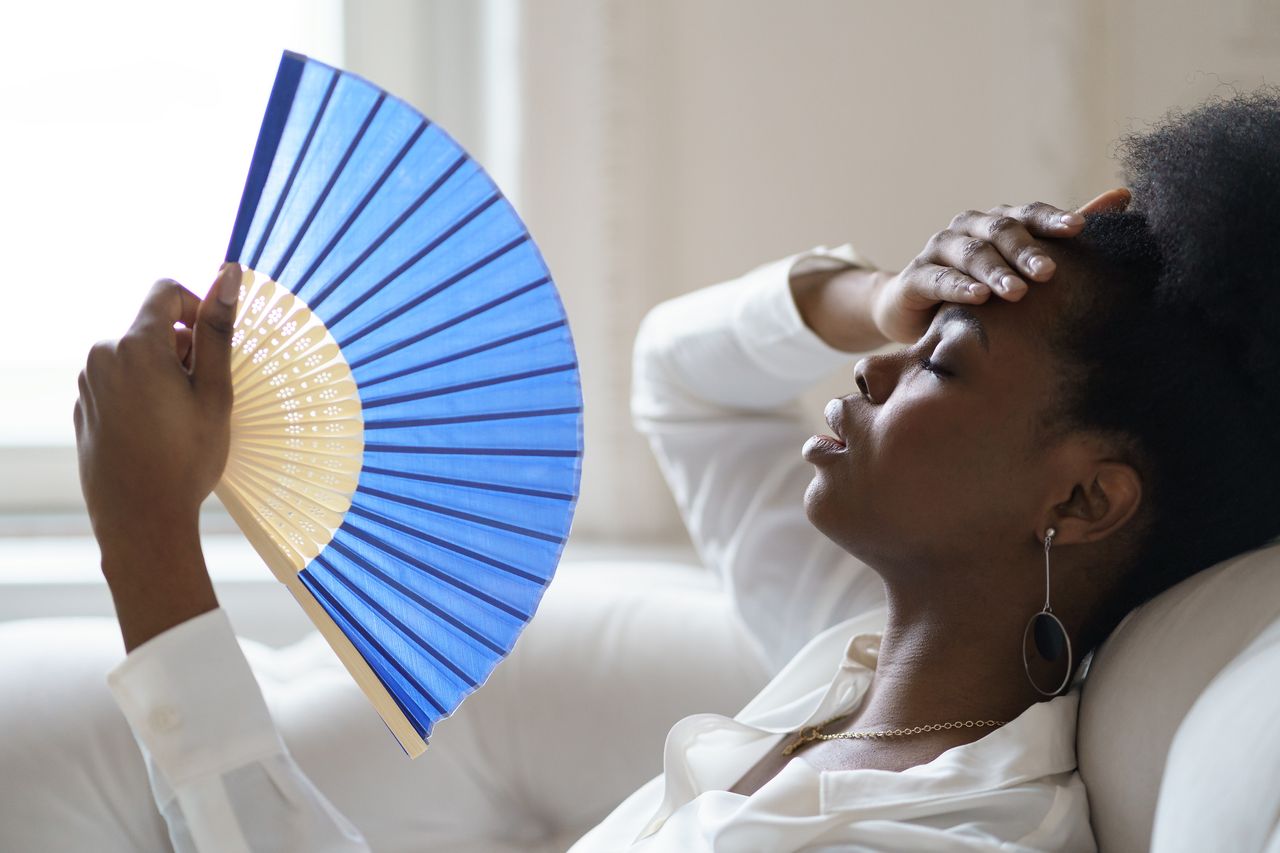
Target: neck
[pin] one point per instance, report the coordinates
(944, 658)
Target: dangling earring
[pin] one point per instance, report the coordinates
(1047, 631)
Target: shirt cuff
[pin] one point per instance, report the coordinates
(192, 701)
(769, 325)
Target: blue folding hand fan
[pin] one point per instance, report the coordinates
(406, 435)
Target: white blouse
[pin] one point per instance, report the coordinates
(716, 374)
(1015, 789)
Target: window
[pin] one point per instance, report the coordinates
(126, 130)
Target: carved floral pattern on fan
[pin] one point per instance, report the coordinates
(296, 408)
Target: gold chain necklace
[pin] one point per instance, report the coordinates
(808, 734)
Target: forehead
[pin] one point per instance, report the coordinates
(1019, 357)
(1017, 325)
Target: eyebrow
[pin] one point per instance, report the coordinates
(956, 311)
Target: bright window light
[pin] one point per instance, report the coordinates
(126, 129)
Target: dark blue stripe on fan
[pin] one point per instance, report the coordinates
(441, 326)
(457, 356)
(468, 484)
(324, 193)
(264, 152)
(334, 606)
(406, 632)
(397, 423)
(293, 173)
(459, 514)
(439, 574)
(359, 208)
(370, 292)
(432, 596)
(416, 598)
(457, 549)
(386, 234)
(470, 451)
(428, 294)
(465, 386)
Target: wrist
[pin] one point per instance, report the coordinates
(157, 578)
(838, 306)
(147, 613)
(170, 540)
(870, 298)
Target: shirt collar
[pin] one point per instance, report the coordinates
(1038, 742)
(829, 675)
(709, 751)
(842, 693)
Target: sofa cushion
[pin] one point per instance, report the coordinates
(1221, 788)
(1150, 672)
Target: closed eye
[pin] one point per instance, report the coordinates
(932, 367)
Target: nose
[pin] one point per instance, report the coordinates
(875, 376)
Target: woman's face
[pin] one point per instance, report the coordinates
(938, 467)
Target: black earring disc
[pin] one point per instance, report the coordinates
(1051, 640)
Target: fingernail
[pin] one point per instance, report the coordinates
(1069, 219)
(1040, 265)
(1010, 283)
(229, 284)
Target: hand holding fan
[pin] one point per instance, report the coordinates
(406, 435)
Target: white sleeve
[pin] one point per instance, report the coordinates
(715, 378)
(220, 773)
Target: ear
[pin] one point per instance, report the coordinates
(1111, 201)
(1100, 506)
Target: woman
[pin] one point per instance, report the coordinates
(1027, 471)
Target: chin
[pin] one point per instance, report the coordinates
(841, 517)
(825, 510)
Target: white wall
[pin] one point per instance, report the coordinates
(669, 144)
(654, 147)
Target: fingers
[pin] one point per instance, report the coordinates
(1042, 219)
(166, 304)
(979, 259)
(996, 251)
(1112, 201)
(183, 341)
(83, 405)
(1011, 238)
(96, 366)
(948, 284)
(1012, 231)
(211, 344)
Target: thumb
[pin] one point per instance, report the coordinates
(1111, 201)
(211, 344)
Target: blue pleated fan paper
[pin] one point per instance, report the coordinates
(407, 426)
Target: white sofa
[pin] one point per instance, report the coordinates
(1179, 731)
(565, 728)
(1179, 726)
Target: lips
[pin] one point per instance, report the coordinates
(833, 413)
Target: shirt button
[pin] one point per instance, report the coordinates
(164, 719)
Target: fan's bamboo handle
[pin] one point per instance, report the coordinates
(296, 451)
(355, 663)
(351, 658)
